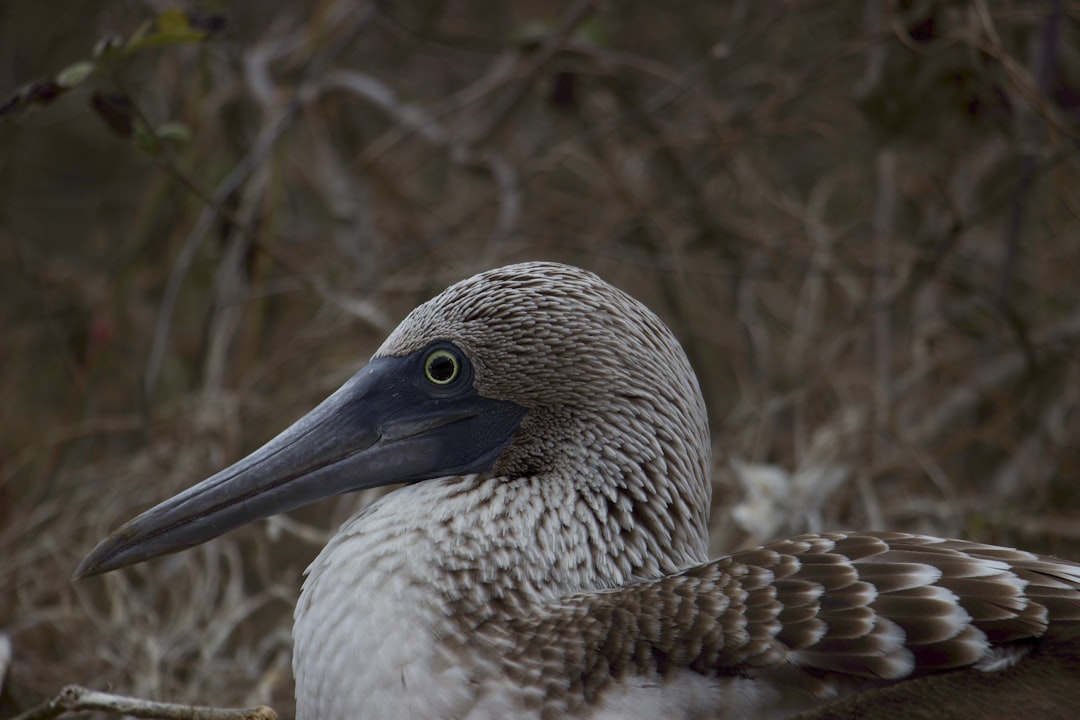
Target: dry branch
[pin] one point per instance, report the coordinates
(74, 698)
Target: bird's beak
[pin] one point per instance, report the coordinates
(383, 426)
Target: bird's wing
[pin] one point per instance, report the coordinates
(863, 609)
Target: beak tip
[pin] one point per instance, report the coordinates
(83, 571)
(107, 555)
(87, 568)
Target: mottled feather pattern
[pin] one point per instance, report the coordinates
(837, 606)
(541, 333)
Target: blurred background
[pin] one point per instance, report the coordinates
(862, 219)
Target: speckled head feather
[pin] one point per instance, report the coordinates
(612, 400)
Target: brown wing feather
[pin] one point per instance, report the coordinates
(877, 607)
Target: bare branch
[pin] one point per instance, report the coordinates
(75, 698)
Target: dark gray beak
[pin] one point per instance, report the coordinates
(387, 424)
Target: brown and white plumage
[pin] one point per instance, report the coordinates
(547, 559)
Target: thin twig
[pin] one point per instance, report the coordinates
(75, 698)
(215, 204)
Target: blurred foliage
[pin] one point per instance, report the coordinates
(168, 28)
(861, 218)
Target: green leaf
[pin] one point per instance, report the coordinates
(174, 132)
(75, 74)
(162, 39)
(109, 47)
(173, 22)
(530, 33)
(145, 139)
(171, 28)
(592, 31)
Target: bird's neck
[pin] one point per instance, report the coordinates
(393, 599)
(409, 579)
(520, 540)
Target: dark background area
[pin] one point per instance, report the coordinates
(860, 218)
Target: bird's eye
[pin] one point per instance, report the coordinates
(442, 367)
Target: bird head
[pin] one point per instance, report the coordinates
(530, 370)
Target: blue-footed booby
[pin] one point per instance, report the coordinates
(545, 556)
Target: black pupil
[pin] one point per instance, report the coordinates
(442, 368)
